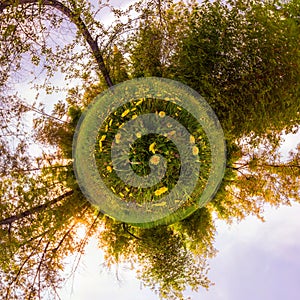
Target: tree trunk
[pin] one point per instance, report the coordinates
(34, 210)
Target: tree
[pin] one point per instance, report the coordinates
(242, 57)
(248, 65)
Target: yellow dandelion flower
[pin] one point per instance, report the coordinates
(154, 160)
(133, 109)
(134, 117)
(118, 138)
(161, 114)
(152, 147)
(125, 113)
(100, 146)
(102, 138)
(160, 191)
(127, 189)
(113, 189)
(179, 108)
(106, 128)
(121, 194)
(192, 139)
(139, 102)
(195, 150)
(110, 122)
(109, 169)
(122, 125)
(130, 195)
(138, 135)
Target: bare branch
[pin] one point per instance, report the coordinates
(21, 268)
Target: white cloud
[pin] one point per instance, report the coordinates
(93, 281)
(255, 261)
(258, 260)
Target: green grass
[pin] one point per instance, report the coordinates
(144, 149)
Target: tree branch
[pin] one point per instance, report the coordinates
(75, 18)
(125, 228)
(40, 169)
(21, 268)
(34, 210)
(279, 166)
(38, 271)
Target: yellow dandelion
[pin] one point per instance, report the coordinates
(160, 191)
(127, 189)
(122, 125)
(195, 150)
(102, 138)
(134, 117)
(106, 128)
(133, 109)
(100, 142)
(118, 138)
(138, 135)
(139, 102)
(113, 189)
(109, 169)
(179, 108)
(110, 122)
(154, 160)
(130, 195)
(152, 147)
(121, 194)
(161, 114)
(125, 113)
(192, 139)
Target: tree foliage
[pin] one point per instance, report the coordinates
(242, 56)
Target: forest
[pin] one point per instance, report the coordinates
(241, 56)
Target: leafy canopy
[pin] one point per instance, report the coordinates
(243, 57)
